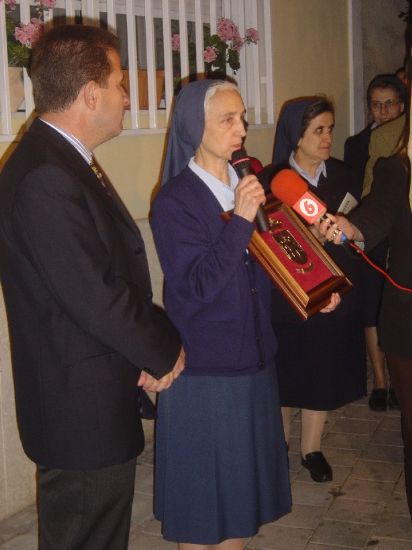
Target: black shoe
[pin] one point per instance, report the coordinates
(393, 402)
(378, 401)
(318, 466)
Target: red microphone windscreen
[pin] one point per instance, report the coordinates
(288, 186)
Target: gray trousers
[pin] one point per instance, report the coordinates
(85, 510)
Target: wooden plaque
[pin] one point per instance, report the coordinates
(296, 261)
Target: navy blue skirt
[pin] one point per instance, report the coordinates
(221, 458)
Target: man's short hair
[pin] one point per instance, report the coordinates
(64, 59)
(387, 81)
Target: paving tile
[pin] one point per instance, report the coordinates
(377, 471)
(355, 426)
(389, 453)
(146, 457)
(351, 510)
(303, 517)
(295, 464)
(334, 533)
(341, 457)
(360, 489)
(18, 524)
(295, 429)
(142, 508)
(151, 527)
(397, 504)
(387, 544)
(392, 423)
(312, 493)
(277, 537)
(400, 485)
(391, 526)
(386, 437)
(345, 441)
(21, 542)
(340, 474)
(316, 546)
(142, 541)
(361, 411)
(144, 479)
(294, 444)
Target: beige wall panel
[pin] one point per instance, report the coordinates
(311, 55)
(17, 481)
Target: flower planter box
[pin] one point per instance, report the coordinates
(143, 86)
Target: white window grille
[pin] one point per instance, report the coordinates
(145, 29)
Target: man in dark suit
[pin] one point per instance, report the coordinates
(84, 331)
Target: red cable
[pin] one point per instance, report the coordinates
(382, 271)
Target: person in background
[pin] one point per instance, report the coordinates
(221, 459)
(386, 98)
(386, 213)
(308, 379)
(84, 332)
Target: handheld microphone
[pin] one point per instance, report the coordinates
(241, 163)
(290, 188)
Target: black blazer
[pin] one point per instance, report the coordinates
(386, 213)
(79, 305)
(356, 152)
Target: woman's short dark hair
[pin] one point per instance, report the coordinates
(64, 59)
(320, 105)
(387, 81)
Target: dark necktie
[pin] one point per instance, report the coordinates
(97, 172)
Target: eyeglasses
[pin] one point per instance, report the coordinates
(385, 105)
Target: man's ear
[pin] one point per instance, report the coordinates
(402, 107)
(90, 94)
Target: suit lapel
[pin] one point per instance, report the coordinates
(82, 171)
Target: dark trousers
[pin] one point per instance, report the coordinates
(86, 510)
(400, 369)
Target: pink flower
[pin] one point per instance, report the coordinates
(226, 29)
(175, 43)
(237, 41)
(47, 3)
(28, 34)
(209, 54)
(11, 4)
(251, 36)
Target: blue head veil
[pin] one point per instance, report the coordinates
(187, 127)
(289, 130)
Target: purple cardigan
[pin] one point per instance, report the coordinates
(215, 293)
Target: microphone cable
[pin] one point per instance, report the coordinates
(381, 271)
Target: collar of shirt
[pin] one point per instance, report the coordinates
(225, 194)
(78, 145)
(313, 180)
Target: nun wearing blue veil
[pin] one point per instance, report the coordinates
(221, 461)
(321, 362)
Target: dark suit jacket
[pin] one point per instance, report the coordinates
(79, 304)
(386, 212)
(356, 151)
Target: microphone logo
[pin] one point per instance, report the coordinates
(309, 207)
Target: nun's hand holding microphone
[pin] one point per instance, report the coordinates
(249, 195)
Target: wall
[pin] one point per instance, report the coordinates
(380, 18)
(310, 56)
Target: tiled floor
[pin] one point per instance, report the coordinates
(363, 507)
